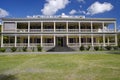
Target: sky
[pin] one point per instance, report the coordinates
(87, 8)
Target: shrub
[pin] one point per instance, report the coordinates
(88, 48)
(2, 49)
(101, 48)
(39, 48)
(82, 48)
(13, 49)
(96, 48)
(33, 49)
(115, 47)
(119, 46)
(24, 49)
(108, 47)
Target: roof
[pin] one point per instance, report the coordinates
(59, 19)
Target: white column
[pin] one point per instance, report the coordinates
(41, 26)
(115, 27)
(116, 42)
(15, 40)
(92, 39)
(103, 39)
(41, 40)
(15, 26)
(102, 26)
(79, 27)
(91, 26)
(67, 40)
(67, 26)
(1, 40)
(28, 40)
(2, 26)
(54, 40)
(79, 40)
(28, 26)
(54, 26)
(108, 40)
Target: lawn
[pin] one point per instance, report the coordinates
(60, 67)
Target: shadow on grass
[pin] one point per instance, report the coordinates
(7, 77)
(114, 52)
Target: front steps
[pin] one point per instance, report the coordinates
(61, 49)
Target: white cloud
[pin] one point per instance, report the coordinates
(72, 12)
(82, 12)
(80, 6)
(52, 6)
(98, 7)
(3, 13)
(83, 1)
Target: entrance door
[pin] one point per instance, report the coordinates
(61, 41)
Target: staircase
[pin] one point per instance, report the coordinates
(60, 49)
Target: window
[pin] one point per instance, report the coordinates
(71, 40)
(9, 26)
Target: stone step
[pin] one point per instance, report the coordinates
(60, 49)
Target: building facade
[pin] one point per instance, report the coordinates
(49, 32)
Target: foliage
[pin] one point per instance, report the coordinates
(2, 49)
(88, 48)
(108, 47)
(115, 47)
(96, 48)
(24, 49)
(33, 49)
(82, 48)
(13, 49)
(39, 48)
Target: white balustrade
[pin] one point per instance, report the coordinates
(8, 44)
(22, 30)
(9, 30)
(48, 44)
(22, 44)
(73, 30)
(73, 44)
(61, 30)
(35, 30)
(35, 44)
(48, 30)
(85, 30)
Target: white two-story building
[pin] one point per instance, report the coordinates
(53, 31)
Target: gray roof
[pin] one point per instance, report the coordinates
(58, 19)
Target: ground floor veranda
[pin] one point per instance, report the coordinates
(58, 40)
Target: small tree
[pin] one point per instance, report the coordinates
(96, 48)
(33, 49)
(39, 48)
(82, 48)
(108, 47)
(88, 48)
(115, 47)
(24, 49)
(2, 49)
(13, 49)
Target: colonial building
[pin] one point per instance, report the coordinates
(54, 31)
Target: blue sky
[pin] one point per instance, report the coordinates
(89, 8)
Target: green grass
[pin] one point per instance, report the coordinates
(60, 67)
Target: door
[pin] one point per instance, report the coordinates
(60, 41)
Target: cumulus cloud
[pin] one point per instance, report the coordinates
(98, 7)
(82, 12)
(72, 12)
(52, 6)
(3, 13)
